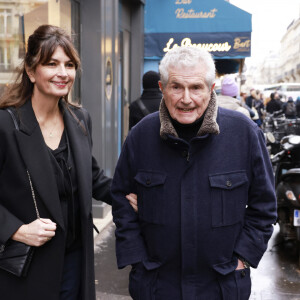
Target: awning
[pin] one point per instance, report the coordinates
(215, 25)
(220, 44)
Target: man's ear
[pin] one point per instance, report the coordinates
(212, 87)
(30, 74)
(161, 86)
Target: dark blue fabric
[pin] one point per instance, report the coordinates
(70, 285)
(200, 204)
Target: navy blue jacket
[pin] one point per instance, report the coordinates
(201, 204)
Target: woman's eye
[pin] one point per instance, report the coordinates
(71, 65)
(51, 63)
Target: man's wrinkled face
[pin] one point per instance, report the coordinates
(186, 93)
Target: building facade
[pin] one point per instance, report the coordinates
(216, 26)
(280, 66)
(289, 61)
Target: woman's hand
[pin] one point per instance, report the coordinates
(132, 198)
(36, 233)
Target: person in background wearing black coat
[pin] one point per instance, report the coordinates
(274, 104)
(149, 100)
(250, 100)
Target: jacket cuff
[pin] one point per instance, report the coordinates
(130, 257)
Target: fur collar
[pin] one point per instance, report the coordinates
(209, 124)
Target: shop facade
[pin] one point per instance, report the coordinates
(216, 25)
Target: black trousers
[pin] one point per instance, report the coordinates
(70, 285)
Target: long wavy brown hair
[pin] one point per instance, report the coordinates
(41, 46)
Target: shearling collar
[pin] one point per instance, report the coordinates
(209, 124)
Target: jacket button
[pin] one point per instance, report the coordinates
(148, 182)
(184, 153)
(228, 183)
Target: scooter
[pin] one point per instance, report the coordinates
(274, 130)
(287, 182)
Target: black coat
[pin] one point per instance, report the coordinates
(273, 105)
(26, 149)
(151, 99)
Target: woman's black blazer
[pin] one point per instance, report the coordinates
(26, 150)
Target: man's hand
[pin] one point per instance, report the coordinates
(240, 265)
(132, 198)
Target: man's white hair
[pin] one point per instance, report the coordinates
(187, 57)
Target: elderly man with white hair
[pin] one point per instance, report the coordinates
(205, 187)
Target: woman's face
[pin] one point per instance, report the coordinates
(55, 78)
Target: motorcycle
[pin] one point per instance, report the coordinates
(274, 127)
(287, 182)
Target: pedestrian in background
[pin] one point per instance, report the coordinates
(250, 100)
(205, 191)
(54, 143)
(229, 92)
(289, 109)
(274, 104)
(149, 100)
(259, 107)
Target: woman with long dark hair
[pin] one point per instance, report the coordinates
(54, 144)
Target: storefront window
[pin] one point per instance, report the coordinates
(18, 20)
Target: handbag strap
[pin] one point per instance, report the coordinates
(33, 196)
(30, 182)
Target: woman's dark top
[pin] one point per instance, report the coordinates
(65, 173)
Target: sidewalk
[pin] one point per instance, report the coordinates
(102, 223)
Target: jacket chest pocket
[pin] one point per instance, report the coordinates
(150, 189)
(229, 192)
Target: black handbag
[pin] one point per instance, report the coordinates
(15, 257)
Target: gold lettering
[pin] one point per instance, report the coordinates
(187, 42)
(191, 14)
(225, 47)
(168, 45)
(178, 2)
(239, 44)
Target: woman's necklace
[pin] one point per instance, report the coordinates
(51, 131)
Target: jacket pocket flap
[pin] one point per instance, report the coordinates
(150, 179)
(226, 267)
(228, 181)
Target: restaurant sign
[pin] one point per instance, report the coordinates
(220, 44)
